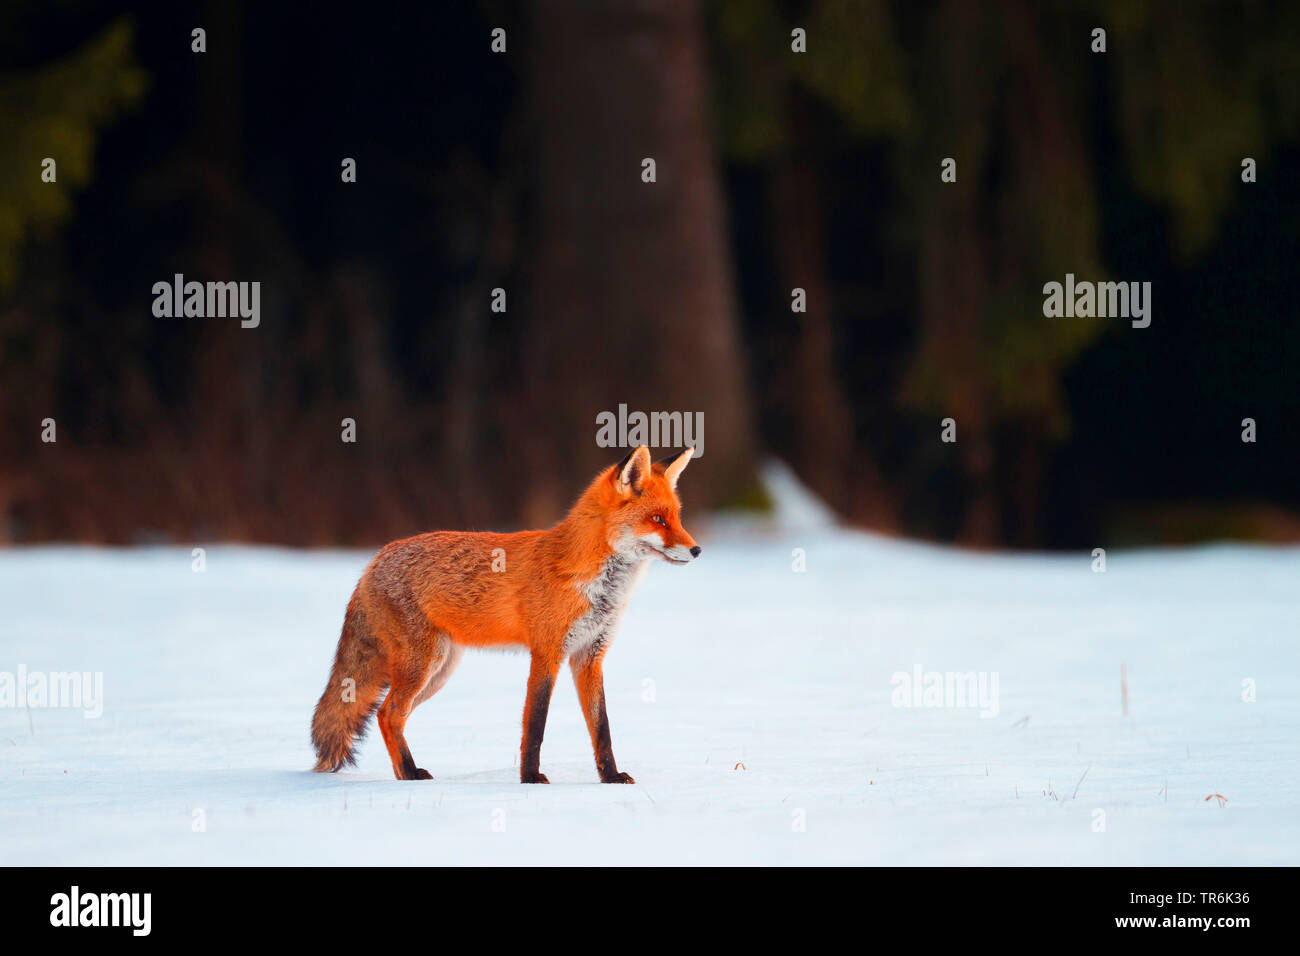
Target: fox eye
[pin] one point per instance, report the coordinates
(657, 519)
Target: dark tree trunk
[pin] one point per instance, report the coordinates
(821, 445)
(632, 296)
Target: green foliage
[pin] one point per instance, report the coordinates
(752, 497)
(854, 66)
(858, 66)
(986, 83)
(750, 48)
(1197, 94)
(57, 111)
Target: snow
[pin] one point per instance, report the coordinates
(753, 703)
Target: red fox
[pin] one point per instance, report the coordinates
(560, 593)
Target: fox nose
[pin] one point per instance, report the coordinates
(695, 551)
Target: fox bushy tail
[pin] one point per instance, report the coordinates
(356, 682)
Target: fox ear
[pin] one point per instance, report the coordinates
(630, 473)
(674, 465)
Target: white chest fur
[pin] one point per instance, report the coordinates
(608, 595)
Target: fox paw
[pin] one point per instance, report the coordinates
(538, 777)
(421, 774)
(618, 778)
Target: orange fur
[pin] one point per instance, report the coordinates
(558, 593)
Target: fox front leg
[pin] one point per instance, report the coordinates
(541, 682)
(589, 679)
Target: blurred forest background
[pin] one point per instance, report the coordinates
(522, 171)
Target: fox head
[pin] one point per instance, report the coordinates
(643, 512)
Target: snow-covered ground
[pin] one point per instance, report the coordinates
(755, 705)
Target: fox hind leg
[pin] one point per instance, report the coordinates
(409, 680)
